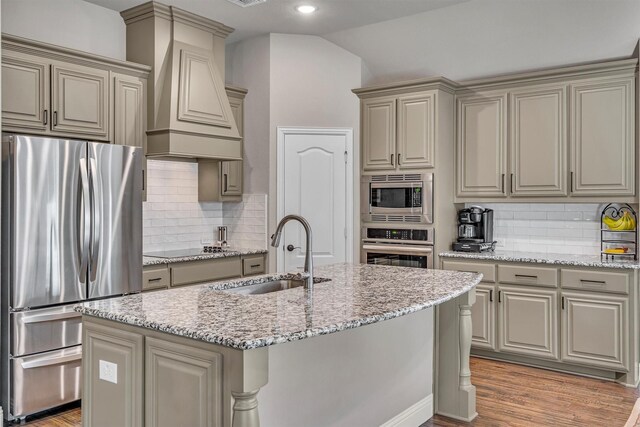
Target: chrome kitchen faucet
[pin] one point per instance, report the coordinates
(308, 256)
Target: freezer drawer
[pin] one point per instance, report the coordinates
(46, 329)
(45, 380)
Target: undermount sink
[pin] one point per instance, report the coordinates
(271, 286)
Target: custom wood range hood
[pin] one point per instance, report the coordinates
(189, 115)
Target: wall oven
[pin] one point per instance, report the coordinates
(397, 198)
(403, 247)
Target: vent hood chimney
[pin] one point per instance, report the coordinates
(189, 115)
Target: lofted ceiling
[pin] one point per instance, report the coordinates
(279, 16)
(459, 39)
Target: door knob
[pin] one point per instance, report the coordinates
(290, 247)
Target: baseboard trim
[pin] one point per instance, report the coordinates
(413, 416)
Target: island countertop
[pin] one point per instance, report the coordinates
(356, 295)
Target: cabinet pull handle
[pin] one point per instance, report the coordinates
(392, 160)
(157, 279)
(490, 295)
(224, 176)
(399, 159)
(502, 188)
(499, 296)
(55, 118)
(143, 183)
(592, 282)
(562, 299)
(255, 265)
(511, 184)
(526, 276)
(45, 117)
(571, 182)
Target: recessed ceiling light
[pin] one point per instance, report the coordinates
(306, 9)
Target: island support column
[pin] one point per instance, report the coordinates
(249, 371)
(454, 393)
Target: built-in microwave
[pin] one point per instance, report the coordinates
(397, 198)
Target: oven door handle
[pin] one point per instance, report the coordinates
(399, 184)
(392, 249)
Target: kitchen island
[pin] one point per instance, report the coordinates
(201, 355)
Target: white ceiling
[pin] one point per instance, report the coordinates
(459, 39)
(279, 16)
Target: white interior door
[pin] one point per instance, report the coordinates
(314, 181)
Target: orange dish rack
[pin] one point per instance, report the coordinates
(619, 232)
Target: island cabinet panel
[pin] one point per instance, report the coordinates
(80, 101)
(183, 385)
(110, 401)
(603, 137)
(538, 141)
(416, 131)
(528, 321)
(25, 92)
(379, 133)
(481, 145)
(594, 330)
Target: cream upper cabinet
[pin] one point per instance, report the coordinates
(25, 92)
(538, 141)
(232, 171)
(528, 321)
(594, 330)
(603, 137)
(379, 133)
(130, 115)
(416, 131)
(481, 145)
(80, 101)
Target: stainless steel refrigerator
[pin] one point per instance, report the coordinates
(71, 231)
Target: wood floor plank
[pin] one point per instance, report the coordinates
(508, 395)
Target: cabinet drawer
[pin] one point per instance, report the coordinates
(205, 271)
(488, 271)
(155, 278)
(598, 281)
(253, 265)
(535, 276)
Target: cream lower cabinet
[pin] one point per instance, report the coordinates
(594, 330)
(528, 321)
(483, 318)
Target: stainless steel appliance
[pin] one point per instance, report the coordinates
(475, 230)
(71, 231)
(405, 247)
(397, 198)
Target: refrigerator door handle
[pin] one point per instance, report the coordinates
(96, 220)
(84, 224)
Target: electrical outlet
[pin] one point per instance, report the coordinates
(207, 241)
(109, 371)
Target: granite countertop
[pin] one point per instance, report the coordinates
(356, 295)
(544, 258)
(152, 260)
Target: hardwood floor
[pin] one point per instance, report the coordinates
(507, 395)
(513, 395)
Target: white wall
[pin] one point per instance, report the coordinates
(305, 82)
(74, 24)
(488, 37)
(247, 66)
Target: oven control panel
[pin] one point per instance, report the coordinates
(421, 235)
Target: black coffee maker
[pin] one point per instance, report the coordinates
(475, 230)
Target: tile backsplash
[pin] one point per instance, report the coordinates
(174, 219)
(571, 228)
